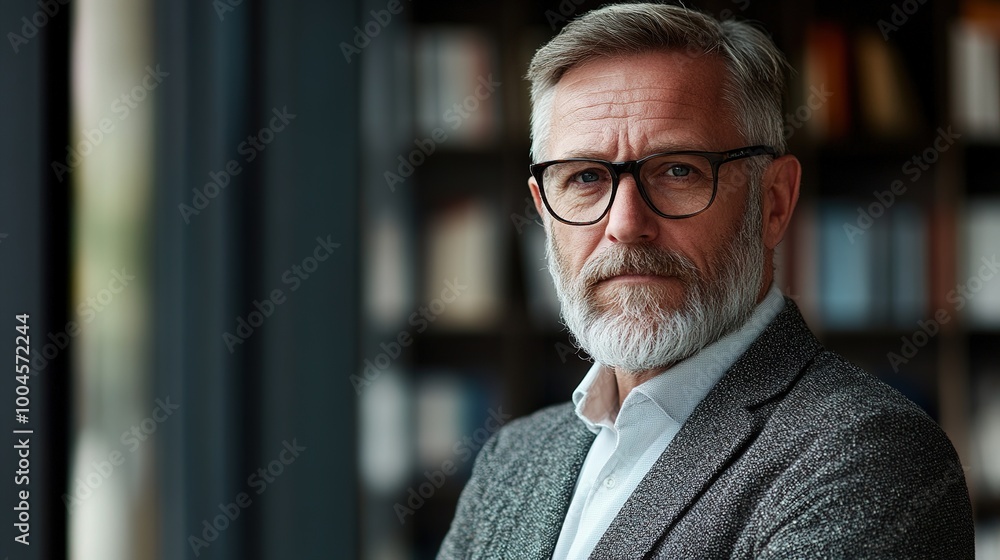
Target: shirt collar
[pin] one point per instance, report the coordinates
(678, 389)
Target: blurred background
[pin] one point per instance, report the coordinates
(283, 277)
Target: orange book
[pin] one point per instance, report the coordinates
(885, 90)
(826, 69)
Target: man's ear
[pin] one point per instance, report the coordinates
(781, 193)
(536, 195)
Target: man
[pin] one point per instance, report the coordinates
(713, 424)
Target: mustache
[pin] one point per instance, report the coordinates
(643, 259)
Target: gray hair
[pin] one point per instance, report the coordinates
(756, 67)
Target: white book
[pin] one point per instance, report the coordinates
(463, 281)
(389, 296)
(441, 402)
(543, 304)
(978, 289)
(456, 93)
(988, 540)
(384, 433)
(975, 80)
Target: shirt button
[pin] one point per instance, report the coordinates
(609, 482)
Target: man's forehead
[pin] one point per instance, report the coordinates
(648, 94)
(647, 67)
(598, 101)
(618, 86)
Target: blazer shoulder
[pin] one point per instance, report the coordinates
(842, 436)
(838, 405)
(538, 427)
(839, 390)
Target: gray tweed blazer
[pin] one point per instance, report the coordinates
(795, 453)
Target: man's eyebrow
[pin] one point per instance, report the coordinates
(658, 149)
(586, 154)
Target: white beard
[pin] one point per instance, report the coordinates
(638, 328)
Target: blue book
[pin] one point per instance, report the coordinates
(846, 271)
(909, 265)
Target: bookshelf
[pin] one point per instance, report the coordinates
(462, 214)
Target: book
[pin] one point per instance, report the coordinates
(389, 292)
(985, 430)
(846, 277)
(805, 242)
(825, 64)
(889, 105)
(977, 293)
(457, 89)
(987, 539)
(384, 432)
(543, 305)
(908, 264)
(441, 400)
(463, 279)
(975, 80)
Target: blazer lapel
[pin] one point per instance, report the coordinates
(561, 482)
(530, 527)
(718, 429)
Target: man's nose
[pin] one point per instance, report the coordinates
(630, 219)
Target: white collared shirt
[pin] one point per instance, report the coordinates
(627, 444)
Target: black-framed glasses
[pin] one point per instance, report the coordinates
(580, 191)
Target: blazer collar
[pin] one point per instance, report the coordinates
(732, 412)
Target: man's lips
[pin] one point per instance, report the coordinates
(636, 278)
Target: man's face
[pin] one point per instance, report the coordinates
(640, 291)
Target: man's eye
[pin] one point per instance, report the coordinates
(679, 171)
(588, 177)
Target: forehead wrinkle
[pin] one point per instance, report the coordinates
(629, 94)
(664, 80)
(613, 145)
(620, 111)
(631, 110)
(611, 123)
